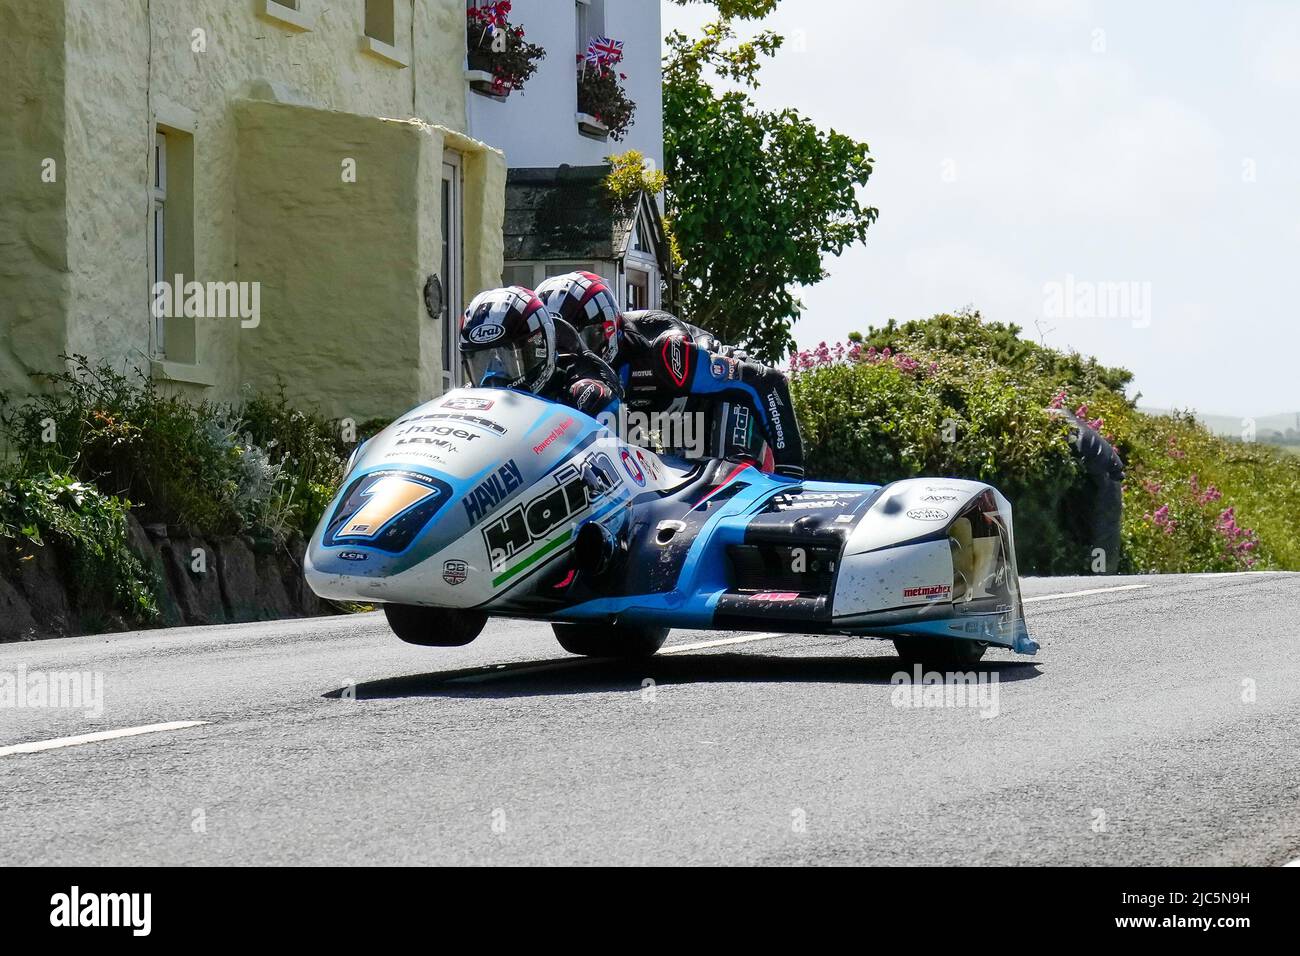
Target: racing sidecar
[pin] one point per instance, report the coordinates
(493, 502)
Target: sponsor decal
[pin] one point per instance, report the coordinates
(354, 556)
(677, 359)
(495, 489)
(740, 426)
(487, 332)
(386, 510)
(718, 368)
(591, 391)
(775, 596)
(578, 485)
(455, 572)
(632, 468)
(474, 421)
(928, 514)
(778, 423)
(446, 438)
(468, 404)
(554, 434)
(938, 498)
(806, 500)
(930, 592)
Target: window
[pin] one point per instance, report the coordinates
(518, 275)
(172, 239)
(638, 289)
(158, 272)
(452, 268)
(380, 22)
(589, 21)
(285, 13)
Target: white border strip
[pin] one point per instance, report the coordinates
(55, 744)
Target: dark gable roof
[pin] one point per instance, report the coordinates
(565, 213)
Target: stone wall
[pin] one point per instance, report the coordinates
(204, 581)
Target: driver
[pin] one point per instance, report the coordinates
(509, 340)
(662, 360)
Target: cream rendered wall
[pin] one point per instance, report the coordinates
(131, 63)
(33, 227)
(339, 262)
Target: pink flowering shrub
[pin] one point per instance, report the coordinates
(954, 395)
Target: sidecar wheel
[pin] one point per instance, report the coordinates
(434, 626)
(610, 640)
(939, 651)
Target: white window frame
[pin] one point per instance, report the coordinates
(453, 267)
(287, 13)
(383, 48)
(158, 259)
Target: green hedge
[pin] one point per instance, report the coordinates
(88, 530)
(261, 468)
(98, 443)
(881, 422)
(876, 410)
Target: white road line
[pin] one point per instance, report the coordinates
(508, 670)
(1070, 594)
(55, 744)
(699, 645)
(1292, 863)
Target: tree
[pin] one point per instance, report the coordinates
(756, 198)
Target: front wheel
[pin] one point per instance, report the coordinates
(610, 640)
(434, 626)
(939, 651)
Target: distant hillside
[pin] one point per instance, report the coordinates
(1270, 429)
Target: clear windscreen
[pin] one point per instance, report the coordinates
(498, 366)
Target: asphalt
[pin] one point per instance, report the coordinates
(1157, 725)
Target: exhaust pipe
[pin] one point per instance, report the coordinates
(597, 550)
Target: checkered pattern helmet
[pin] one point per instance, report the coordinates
(584, 301)
(507, 340)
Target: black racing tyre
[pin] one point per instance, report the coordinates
(434, 626)
(939, 652)
(610, 640)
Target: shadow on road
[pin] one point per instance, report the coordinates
(581, 675)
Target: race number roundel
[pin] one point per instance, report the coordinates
(632, 468)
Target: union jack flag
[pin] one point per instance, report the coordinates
(602, 51)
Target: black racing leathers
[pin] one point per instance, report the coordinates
(581, 379)
(662, 365)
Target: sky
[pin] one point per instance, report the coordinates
(1120, 178)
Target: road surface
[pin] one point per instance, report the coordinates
(1157, 725)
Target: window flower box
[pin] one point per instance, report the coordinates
(588, 125)
(498, 59)
(604, 110)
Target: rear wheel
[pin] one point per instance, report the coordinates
(434, 626)
(610, 640)
(939, 651)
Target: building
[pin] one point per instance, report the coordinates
(557, 216)
(541, 125)
(560, 220)
(304, 166)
